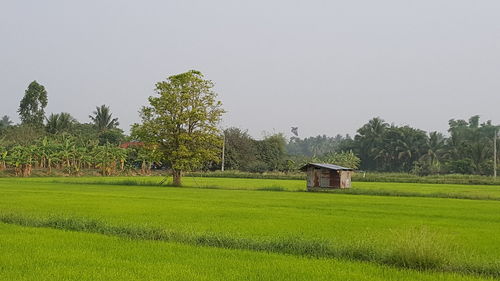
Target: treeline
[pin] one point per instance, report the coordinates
(377, 146)
(59, 141)
(64, 153)
(276, 153)
(467, 149)
(72, 152)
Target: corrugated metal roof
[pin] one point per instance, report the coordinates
(326, 166)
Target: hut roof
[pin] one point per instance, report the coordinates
(326, 166)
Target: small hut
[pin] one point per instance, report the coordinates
(321, 175)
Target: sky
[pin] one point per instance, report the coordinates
(326, 67)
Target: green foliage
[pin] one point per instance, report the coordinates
(272, 152)
(470, 146)
(65, 153)
(240, 149)
(85, 132)
(59, 123)
(113, 136)
(22, 134)
(345, 159)
(5, 122)
(368, 140)
(461, 166)
(21, 158)
(247, 154)
(181, 125)
(107, 158)
(182, 121)
(315, 146)
(382, 147)
(32, 107)
(103, 118)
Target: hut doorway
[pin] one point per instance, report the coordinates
(316, 175)
(334, 178)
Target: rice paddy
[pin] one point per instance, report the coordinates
(246, 229)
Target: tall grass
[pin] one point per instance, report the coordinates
(357, 177)
(416, 193)
(248, 175)
(438, 179)
(361, 177)
(264, 185)
(417, 248)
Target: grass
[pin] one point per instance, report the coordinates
(35, 254)
(363, 177)
(436, 179)
(474, 192)
(448, 235)
(295, 175)
(417, 252)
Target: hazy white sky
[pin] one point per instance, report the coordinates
(324, 66)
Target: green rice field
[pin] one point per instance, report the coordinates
(488, 192)
(122, 228)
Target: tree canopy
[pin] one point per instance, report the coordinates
(60, 122)
(103, 118)
(32, 107)
(182, 120)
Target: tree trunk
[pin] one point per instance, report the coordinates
(177, 175)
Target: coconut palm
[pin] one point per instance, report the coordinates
(103, 119)
(60, 122)
(5, 121)
(435, 150)
(370, 141)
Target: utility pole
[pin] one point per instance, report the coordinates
(224, 150)
(495, 153)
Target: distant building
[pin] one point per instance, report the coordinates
(131, 144)
(323, 176)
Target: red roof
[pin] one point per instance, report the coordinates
(131, 144)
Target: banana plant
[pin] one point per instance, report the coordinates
(21, 158)
(3, 157)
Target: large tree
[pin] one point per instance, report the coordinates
(182, 122)
(103, 119)
(241, 150)
(32, 107)
(471, 146)
(369, 139)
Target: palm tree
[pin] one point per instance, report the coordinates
(103, 119)
(435, 148)
(5, 121)
(370, 138)
(61, 122)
